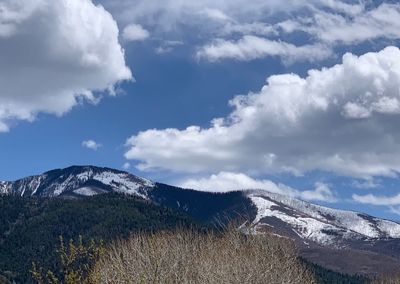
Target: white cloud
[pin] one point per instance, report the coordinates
(126, 166)
(91, 144)
(135, 32)
(168, 46)
(352, 8)
(322, 192)
(377, 200)
(252, 47)
(366, 183)
(53, 55)
(294, 125)
(227, 181)
(392, 202)
(254, 28)
(380, 22)
(216, 15)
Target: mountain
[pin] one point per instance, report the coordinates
(345, 241)
(83, 181)
(341, 240)
(319, 224)
(77, 181)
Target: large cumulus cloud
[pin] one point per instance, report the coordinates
(343, 119)
(54, 54)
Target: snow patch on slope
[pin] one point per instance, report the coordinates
(123, 183)
(60, 188)
(4, 187)
(111, 178)
(86, 191)
(392, 230)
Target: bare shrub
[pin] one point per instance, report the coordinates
(187, 256)
(387, 280)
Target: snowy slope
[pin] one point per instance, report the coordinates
(4, 187)
(319, 224)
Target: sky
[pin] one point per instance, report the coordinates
(299, 97)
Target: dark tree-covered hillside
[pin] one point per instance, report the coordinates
(30, 227)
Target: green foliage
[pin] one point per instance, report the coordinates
(30, 227)
(326, 276)
(75, 263)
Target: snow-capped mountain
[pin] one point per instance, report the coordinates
(344, 241)
(322, 225)
(78, 181)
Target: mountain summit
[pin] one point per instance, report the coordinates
(77, 181)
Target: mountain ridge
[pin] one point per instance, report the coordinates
(360, 223)
(327, 233)
(87, 180)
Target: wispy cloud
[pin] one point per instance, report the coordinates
(391, 202)
(253, 47)
(167, 46)
(218, 23)
(335, 28)
(126, 166)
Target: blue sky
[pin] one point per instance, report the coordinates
(330, 139)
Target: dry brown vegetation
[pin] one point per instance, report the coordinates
(186, 256)
(388, 280)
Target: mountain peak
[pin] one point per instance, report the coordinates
(76, 169)
(78, 181)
